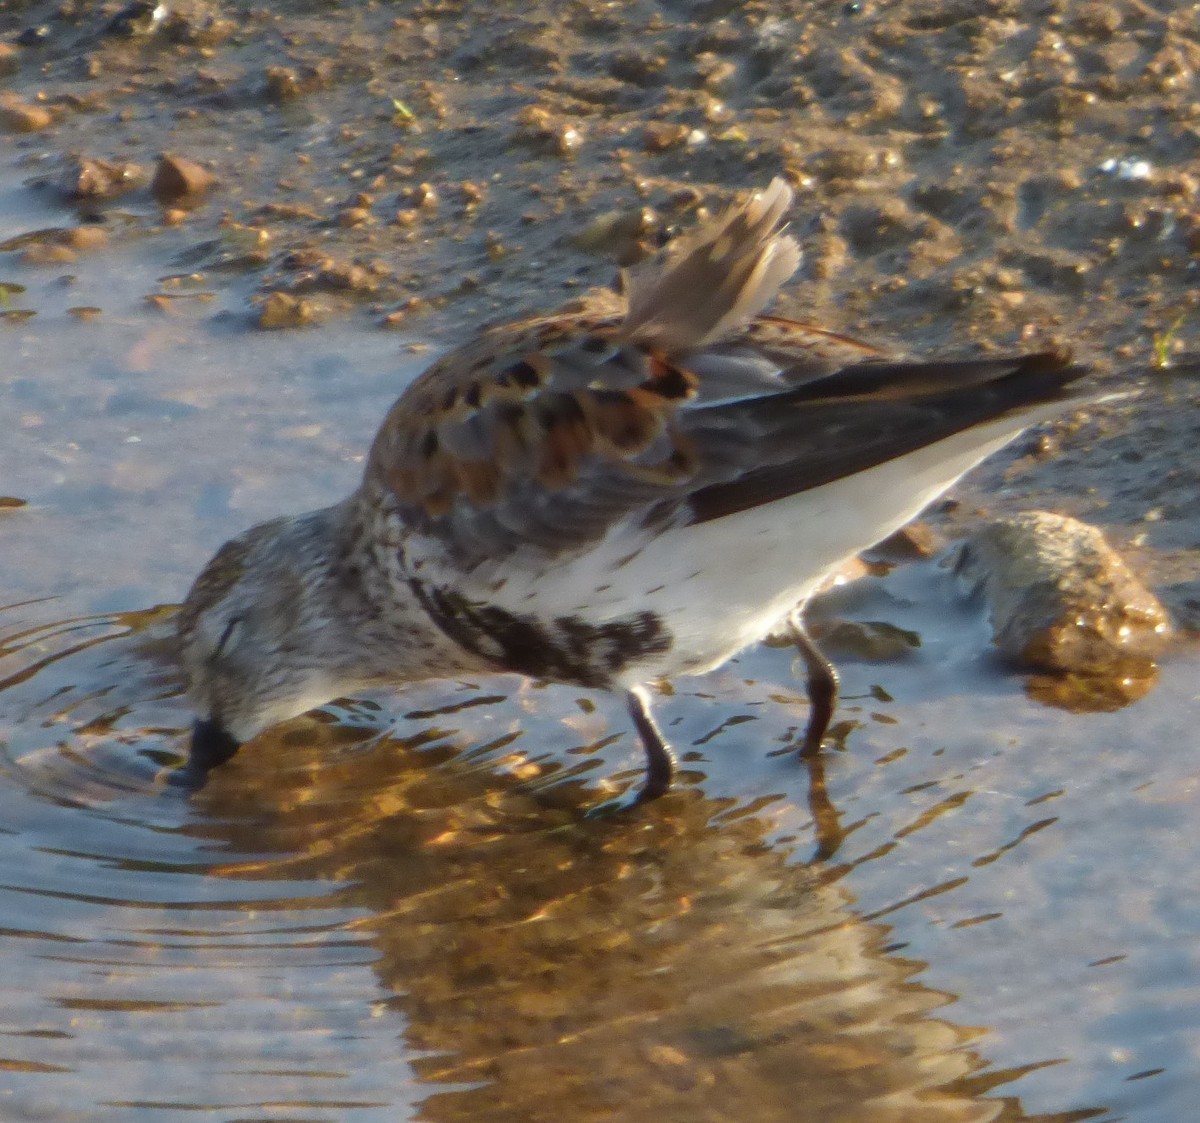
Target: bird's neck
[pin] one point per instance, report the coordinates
(378, 632)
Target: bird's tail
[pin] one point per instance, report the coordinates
(715, 278)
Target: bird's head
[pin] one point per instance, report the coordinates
(252, 632)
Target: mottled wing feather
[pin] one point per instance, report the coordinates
(687, 405)
(532, 410)
(517, 449)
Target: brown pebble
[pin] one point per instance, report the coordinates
(620, 234)
(540, 129)
(86, 237)
(19, 117)
(658, 136)
(1090, 694)
(424, 195)
(87, 177)
(173, 302)
(345, 277)
(177, 178)
(868, 641)
(289, 212)
(281, 84)
(414, 304)
(494, 244)
(84, 311)
(909, 543)
(48, 253)
(283, 310)
(685, 198)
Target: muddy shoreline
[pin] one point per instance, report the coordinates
(968, 175)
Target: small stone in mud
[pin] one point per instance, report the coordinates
(869, 641)
(142, 17)
(289, 212)
(472, 193)
(639, 67)
(424, 197)
(1090, 694)
(658, 136)
(84, 311)
(281, 84)
(283, 310)
(850, 164)
(539, 129)
(909, 543)
(87, 177)
(397, 316)
(34, 36)
(345, 277)
(623, 235)
(177, 178)
(17, 116)
(172, 302)
(284, 83)
(47, 253)
(11, 501)
(685, 198)
(1061, 599)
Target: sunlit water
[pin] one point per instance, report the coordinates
(979, 909)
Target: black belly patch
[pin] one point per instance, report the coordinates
(562, 649)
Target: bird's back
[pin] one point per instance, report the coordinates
(686, 456)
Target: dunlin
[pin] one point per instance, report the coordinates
(606, 497)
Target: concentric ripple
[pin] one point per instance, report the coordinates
(377, 918)
(134, 983)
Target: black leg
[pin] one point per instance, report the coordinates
(660, 763)
(822, 685)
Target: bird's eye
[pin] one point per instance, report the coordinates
(227, 637)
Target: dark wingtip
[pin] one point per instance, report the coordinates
(1045, 375)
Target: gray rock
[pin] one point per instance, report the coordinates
(1061, 599)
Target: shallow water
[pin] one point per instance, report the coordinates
(979, 909)
(395, 910)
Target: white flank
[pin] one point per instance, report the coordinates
(722, 585)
